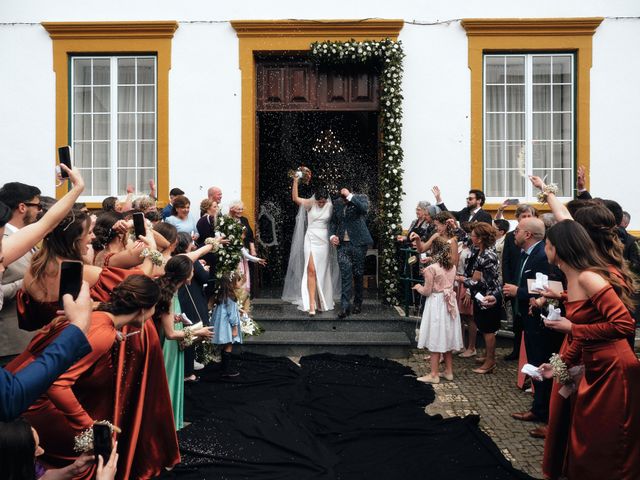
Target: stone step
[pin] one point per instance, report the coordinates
(299, 343)
(349, 324)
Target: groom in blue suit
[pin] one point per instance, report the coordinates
(348, 232)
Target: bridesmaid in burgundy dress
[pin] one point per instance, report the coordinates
(601, 438)
(87, 391)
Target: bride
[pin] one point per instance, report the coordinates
(312, 274)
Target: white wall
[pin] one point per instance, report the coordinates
(204, 100)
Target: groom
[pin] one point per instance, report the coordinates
(348, 232)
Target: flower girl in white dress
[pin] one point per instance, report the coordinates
(440, 327)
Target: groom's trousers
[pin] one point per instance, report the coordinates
(351, 262)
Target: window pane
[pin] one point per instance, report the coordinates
(101, 157)
(541, 126)
(562, 98)
(82, 71)
(515, 183)
(144, 175)
(516, 156)
(146, 99)
(126, 177)
(563, 179)
(101, 182)
(101, 71)
(541, 98)
(494, 70)
(494, 154)
(495, 98)
(494, 180)
(495, 126)
(541, 154)
(562, 155)
(146, 126)
(515, 69)
(146, 71)
(562, 126)
(101, 99)
(88, 178)
(515, 98)
(126, 99)
(562, 69)
(147, 154)
(515, 126)
(541, 69)
(101, 127)
(126, 71)
(82, 155)
(126, 126)
(126, 154)
(82, 127)
(82, 99)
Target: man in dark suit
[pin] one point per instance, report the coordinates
(18, 391)
(510, 264)
(538, 340)
(348, 232)
(473, 212)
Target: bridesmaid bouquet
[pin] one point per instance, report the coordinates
(303, 173)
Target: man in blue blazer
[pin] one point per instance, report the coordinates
(348, 232)
(20, 390)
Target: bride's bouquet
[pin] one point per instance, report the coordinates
(249, 326)
(303, 173)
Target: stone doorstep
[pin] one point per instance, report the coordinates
(329, 338)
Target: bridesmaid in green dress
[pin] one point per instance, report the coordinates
(177, 272)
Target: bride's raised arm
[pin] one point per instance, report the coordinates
(306, 202)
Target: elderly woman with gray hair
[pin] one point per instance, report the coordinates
(423, 224)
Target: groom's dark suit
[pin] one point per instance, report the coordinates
(349, 225)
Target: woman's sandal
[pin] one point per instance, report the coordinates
(484, 371)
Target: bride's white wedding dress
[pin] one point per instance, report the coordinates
(312, 242)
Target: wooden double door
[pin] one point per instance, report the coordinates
(297, 84)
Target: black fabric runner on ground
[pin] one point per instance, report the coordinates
(341, 417)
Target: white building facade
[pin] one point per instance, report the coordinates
(157, 89)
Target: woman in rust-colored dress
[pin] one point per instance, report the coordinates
(600, 438)
(88, 391)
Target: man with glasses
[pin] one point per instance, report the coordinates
(473, 212)
(24, 202)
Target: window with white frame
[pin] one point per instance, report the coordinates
(113, 123)
(528, 128)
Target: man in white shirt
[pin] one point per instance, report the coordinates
(24, 201)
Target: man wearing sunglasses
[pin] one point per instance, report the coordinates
(24, 202)
(473, 212)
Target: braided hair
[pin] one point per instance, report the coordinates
(103, 230)
(176, 272)
(134, 293)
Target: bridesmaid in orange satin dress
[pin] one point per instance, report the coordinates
(87, 391)
(601, 440)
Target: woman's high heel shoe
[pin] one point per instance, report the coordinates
(483, 371)
(312, 313)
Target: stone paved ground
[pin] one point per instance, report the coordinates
(494, 397)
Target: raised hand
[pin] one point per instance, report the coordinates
(130, 189)
(537, 182)
(581, 180)
(78, 311)
(74, 176)
(437, 193)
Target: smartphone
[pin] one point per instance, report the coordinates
(512, 201)
(70, 279)
(102, 442)
(139, 227)
(64, 155)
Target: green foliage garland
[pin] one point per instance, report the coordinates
(387, 55)
(230, 255)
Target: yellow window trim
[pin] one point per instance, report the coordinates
(530, 35)
(114, 38)
(286, 35)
